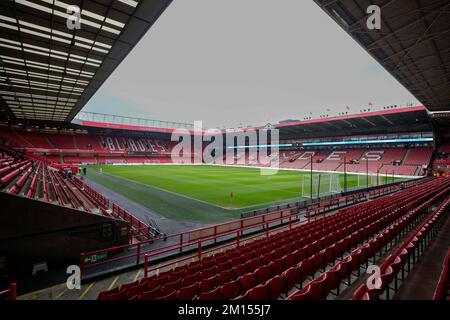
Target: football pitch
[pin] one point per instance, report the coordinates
(208, 194)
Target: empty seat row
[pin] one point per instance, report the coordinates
(320, 287)
(411, 247)
(312, 241)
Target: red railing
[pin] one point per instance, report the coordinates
(198, 238)
(138, 228)
(293, 220)
(97, 196)
(10, 293)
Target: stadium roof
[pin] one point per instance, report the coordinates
(413, 43)
(441, 120)
(388, 120)
(48, 72)
(411, 119)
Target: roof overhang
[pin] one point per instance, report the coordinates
(412, 119)
(49, 72)
(413, 43)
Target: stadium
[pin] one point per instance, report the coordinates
(98, 206)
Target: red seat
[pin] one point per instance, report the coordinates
(359, 292)
(208, 284)
(304, 294)
(227, 276)
(319, 262)
(293, 276)
(158, 281)
(137, 289)
(208, 264)
(264, 273)
(129, 285)
(255, 263)
(188, 293)
(104, 294)
(248, 281)
(191, 279)
(170, 287)
(231, 289)
(278, 285)
(169, 296)
(365, 251)
(334, 278)
(291, 260)
(267, 258)
(208, 273)
(224, 267)
(175, 275)
(260, 292)
(241, 269)
(309, 250)
(300, 253)
(329, 255)
(244, 296)
(193, 268)
(151, 295)
(236, 261)
(318, 287)
(211, 295)
(346, 267)
(355, 263)
(278, 266)
(306, 268)
(386, 279)
(220, 258)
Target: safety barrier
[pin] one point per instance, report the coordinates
(97, 196)
(139, 229)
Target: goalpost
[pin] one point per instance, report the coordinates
(321, 184)
(330, 183)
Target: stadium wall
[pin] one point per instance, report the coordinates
(32, 231)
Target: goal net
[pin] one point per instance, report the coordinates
(364, 181)
(321, 184)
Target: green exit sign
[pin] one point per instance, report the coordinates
(95, 258)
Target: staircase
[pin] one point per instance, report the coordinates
(48, 141)
(75, 144)
(23, 139)
(418, 170)
(405, 156)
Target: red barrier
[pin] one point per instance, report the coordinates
(139, 229)
(97, 196)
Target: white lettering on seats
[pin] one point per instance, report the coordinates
(110, 143)
(307, 155)
(372, 155)
(336, 155)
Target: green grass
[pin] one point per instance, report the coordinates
(202, 193)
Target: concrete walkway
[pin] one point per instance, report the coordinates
(166, 226)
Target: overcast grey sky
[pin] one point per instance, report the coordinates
(227, 62)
